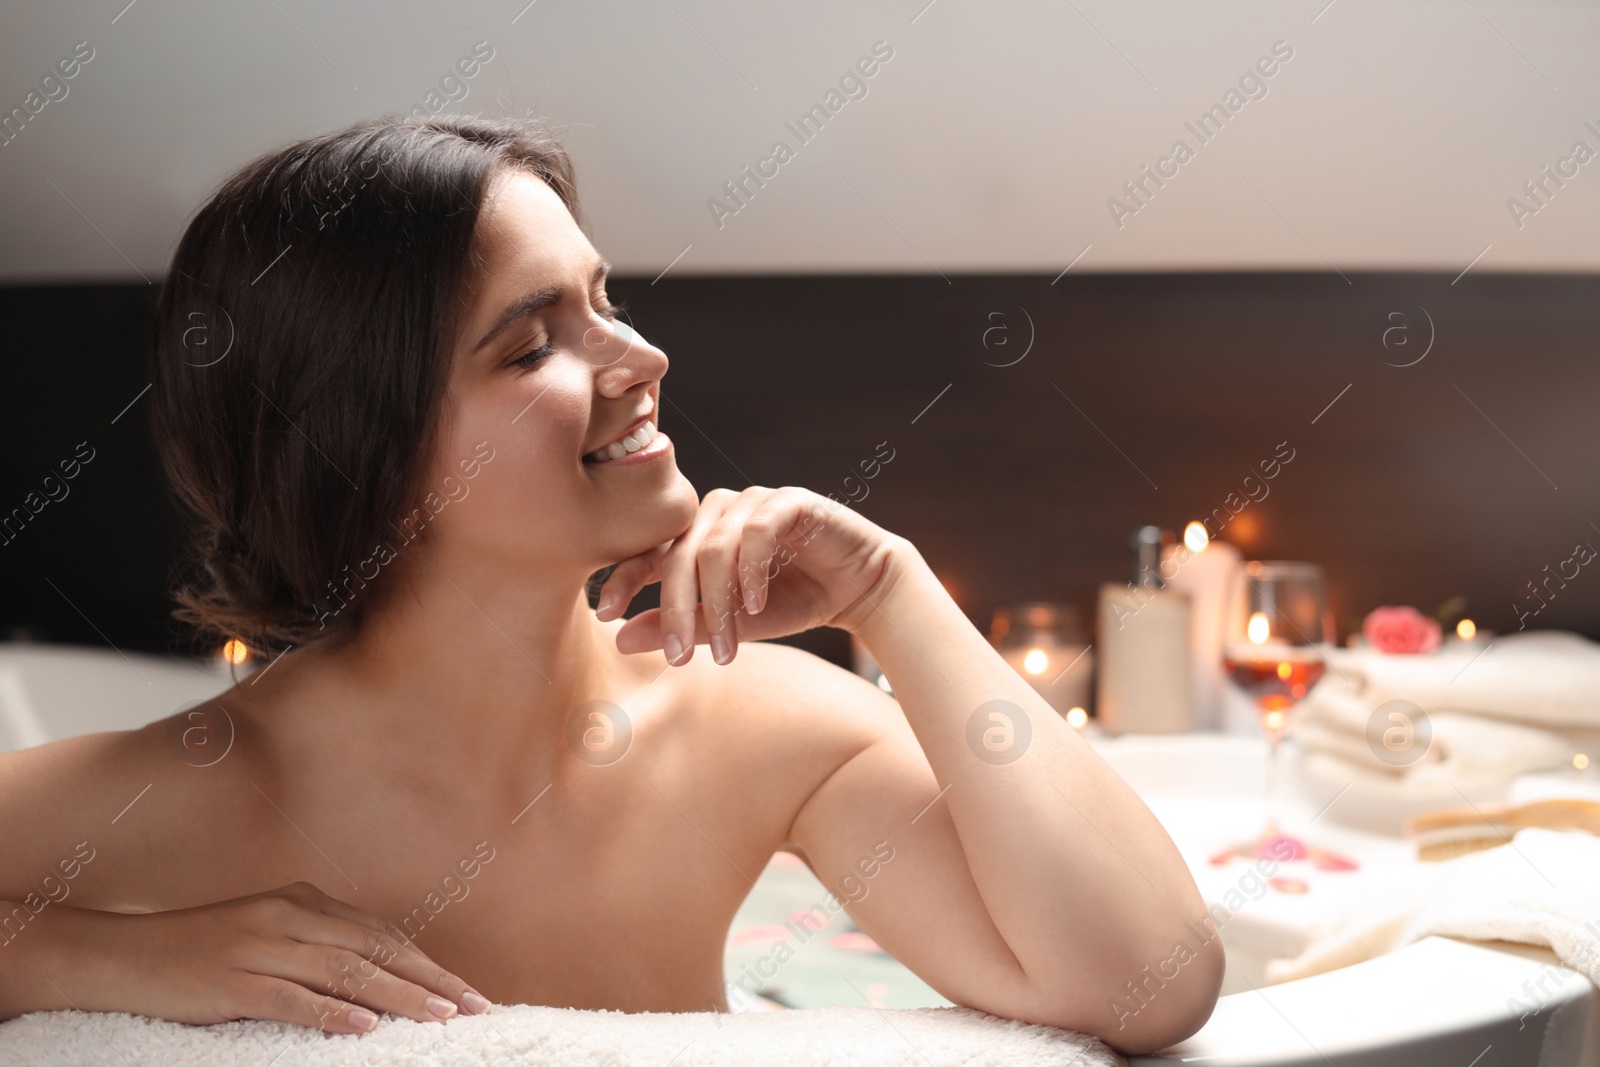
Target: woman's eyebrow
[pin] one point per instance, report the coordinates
(534, 302)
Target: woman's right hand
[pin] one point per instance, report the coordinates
(292, 954)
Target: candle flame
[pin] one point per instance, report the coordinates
(1466, 629)
(1036, 662)
(1195, 537)
(1258, 629)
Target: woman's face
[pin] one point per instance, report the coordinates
(534, 391)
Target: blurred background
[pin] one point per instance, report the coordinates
(1379, 256)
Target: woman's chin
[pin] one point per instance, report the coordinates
(651, 518)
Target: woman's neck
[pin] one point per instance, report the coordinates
(458, 667)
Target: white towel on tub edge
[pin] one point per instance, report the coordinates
(527, 1034)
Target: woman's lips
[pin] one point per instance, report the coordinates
(633, 428)
(642, 442)
(660, 445)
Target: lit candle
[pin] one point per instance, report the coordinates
(1058, 672)
(1043, 643)
(1204, 569)
(1468, 636)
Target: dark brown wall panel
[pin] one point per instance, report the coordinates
(1143, 398)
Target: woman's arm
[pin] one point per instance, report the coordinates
(1028, 879)
(1087, 896)
(292, 954)
(24, 984)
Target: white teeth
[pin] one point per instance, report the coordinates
(631, 443)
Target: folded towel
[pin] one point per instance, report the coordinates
(1541, 888)
(1526, 702)
(526, 1034)
(1548, 680)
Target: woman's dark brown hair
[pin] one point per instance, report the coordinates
(301, 352)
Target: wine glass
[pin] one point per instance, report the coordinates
(1277, 631)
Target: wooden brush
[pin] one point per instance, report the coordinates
(1451, 832)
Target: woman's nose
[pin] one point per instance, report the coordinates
(616, 348)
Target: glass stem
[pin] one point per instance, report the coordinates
(1276, 737)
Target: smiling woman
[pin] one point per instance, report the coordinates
(372, 290)
(468, 694)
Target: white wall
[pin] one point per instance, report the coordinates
(992, 140)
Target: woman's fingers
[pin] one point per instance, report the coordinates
(352, 975)
(292, 954)
(625, 581)
(680, 586)
(643, 632)
(281, 1000)
(768, 530)
(327, 920)
(717, 575)
(403, 979)
(717, 561)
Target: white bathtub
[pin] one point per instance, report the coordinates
(1439, 1000)
(51, 692)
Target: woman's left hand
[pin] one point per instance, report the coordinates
(755, 564)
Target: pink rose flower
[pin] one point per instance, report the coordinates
(1400, 630)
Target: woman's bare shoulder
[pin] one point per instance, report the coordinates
(121, 793)
(801, 706)
(781, 679)
(791, 683)
(54, 795)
